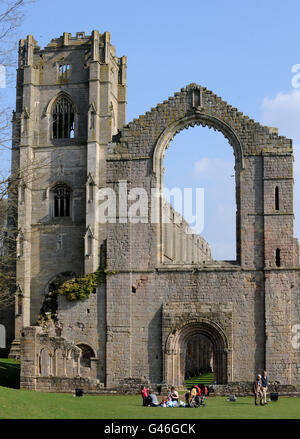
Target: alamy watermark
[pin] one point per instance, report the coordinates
(295, 81)
(2, 76)
(138, 206)
(296, 337)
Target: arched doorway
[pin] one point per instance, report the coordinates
(180, 344)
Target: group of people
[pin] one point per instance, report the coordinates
(260, 388)
(150, 398)
(193, 398)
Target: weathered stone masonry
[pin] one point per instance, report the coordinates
(138, 324)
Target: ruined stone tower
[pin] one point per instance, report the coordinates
(163, 294)
(71, 99)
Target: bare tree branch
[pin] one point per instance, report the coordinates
(11, 17)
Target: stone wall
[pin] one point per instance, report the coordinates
(46, 355)
(158, 292)
(258, 286)
(182, 245)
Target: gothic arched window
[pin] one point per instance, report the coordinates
(63, 118)
(61, 200)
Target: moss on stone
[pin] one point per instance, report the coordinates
(81, 287)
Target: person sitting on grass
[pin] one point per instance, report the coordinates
(191, 396)
(153, 401)
(174, 396)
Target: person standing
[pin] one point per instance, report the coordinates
(257, 390)
(264, 381)
(144, 393)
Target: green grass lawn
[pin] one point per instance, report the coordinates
(26, 404)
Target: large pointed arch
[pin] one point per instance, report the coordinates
(196, 117)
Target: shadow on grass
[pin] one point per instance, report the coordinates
(9, 373)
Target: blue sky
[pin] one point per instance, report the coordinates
(241, 50)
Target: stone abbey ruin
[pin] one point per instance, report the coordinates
(161, 294)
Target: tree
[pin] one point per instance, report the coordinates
(11, 16)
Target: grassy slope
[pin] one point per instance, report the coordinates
(205, 378)
(25, 404)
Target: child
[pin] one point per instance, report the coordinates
(164, 401)
(144, 393)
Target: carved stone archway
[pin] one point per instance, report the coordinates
(175, 350)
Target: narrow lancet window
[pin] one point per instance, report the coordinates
(278, 257)
(89, 245)
(91, 192)
(276, 198)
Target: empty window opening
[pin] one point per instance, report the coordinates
(61, 201)
(63, 117)
(277, 198)
(278, 257)
(86, 354)
(200, 158)
(64, 72)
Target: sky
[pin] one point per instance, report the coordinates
(244, 51)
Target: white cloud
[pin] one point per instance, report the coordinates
(201, 167)
(283, 112)
(212, 168)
